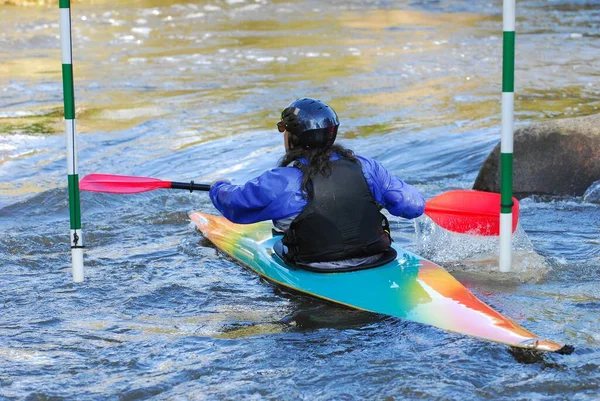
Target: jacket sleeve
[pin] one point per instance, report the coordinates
(272, 195)
(399, 198)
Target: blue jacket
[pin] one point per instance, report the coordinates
(276, 194)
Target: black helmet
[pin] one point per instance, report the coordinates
(310, 122)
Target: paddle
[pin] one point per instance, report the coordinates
(462, 211)
(125, 184)
(470, 212)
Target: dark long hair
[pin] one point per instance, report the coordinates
(318, 162)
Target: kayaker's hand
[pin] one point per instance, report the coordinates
(220, 180)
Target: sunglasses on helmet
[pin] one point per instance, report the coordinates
(281, 126)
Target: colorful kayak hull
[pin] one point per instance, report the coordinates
(410, 287)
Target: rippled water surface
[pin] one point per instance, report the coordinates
(192, 90)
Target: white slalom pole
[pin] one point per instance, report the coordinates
(69, 104)
(506, 144)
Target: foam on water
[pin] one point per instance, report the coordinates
(478, 255)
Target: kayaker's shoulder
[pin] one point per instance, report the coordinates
(283, 172)
(368, 163)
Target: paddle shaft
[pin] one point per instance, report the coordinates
(190, 186)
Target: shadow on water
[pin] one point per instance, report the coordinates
(304, 317)
(326, 316)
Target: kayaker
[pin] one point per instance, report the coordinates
(324, 199)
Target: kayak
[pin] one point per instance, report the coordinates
(409, 287)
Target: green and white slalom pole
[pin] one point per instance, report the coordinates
(73, 177)
(506, 143)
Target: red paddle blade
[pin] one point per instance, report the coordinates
(469, 212)
(121, 184)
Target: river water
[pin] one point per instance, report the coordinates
(191, 91)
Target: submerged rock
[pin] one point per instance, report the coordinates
(553, 158)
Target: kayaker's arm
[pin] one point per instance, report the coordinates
(272, 195)
(404, 200)
(398, 197)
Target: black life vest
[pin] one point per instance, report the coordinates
(340, 221)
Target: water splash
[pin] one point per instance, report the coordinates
(478, 255)
(592, 194)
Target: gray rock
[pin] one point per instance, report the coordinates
(557, 158)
